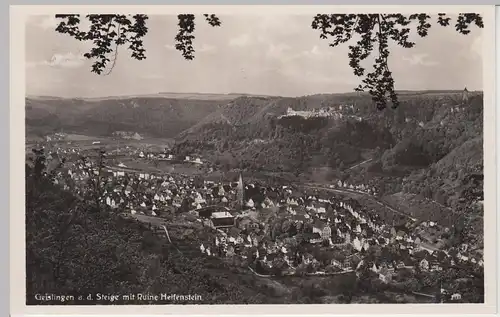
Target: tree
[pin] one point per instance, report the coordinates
(286, 226)
(185, 206)
(96, 181)
(373, 32)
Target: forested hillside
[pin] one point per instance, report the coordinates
(430, 146)
(420, 132)
(150, 116)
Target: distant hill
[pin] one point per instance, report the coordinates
(168, 95)
(156, 116)
(260, 131)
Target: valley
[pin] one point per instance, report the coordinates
(329, 161)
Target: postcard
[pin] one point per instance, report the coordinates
(253, 160)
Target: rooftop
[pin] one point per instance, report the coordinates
(221, 214)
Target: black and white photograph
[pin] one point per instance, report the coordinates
(260, 158)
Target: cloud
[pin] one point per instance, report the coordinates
(315, 51)
(314, 54)
(152, 76)
(241, 40)
(420, 60)
(68, 60)
(278, 50)
(206, 48)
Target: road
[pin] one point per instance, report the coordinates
(133, 170)
(368, 160)
(297, 275)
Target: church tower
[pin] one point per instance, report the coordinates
(465, 96)
(240, 192)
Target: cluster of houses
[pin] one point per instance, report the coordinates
(362, 188)
(336, 226)
(127, 135)
(58, 136)
(322, 234)
(169, 157)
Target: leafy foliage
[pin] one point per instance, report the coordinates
(109, 31)
(374, 32)
(184, 38)
(106, 31)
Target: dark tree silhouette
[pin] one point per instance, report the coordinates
(370, 32)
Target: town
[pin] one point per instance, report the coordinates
(275, 231)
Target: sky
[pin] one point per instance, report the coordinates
(254, 54)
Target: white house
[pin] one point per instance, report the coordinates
(456, 296)
(424, 264)
(356, 244)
